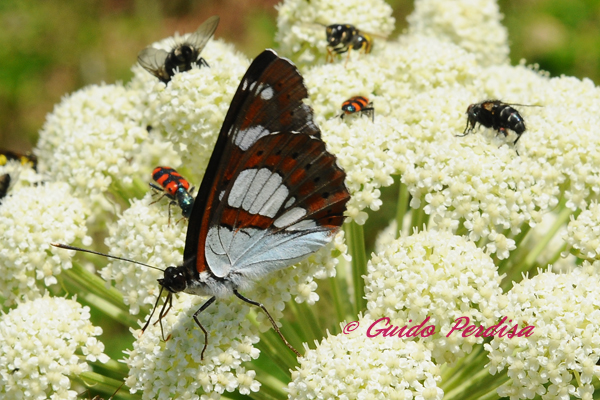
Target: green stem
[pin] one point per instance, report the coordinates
(106, 385)
(94, 284)
(308, 318)
(356, 245)
(401, 208)
(337, 302)
(109, 309)
(520, 251)
(529, 260)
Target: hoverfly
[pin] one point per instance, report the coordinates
(164, 65)
(358, 104)
(344, 37)
(496, 115)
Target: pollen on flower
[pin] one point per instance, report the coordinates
(564, 345)
(459, 278)
(365, 368)
(39, 345)
(30, 219)
(301, 25)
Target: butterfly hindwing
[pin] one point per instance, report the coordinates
(285, 202)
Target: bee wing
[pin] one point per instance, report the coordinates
(152, 59)
(204, 32)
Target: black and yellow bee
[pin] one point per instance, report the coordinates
(344, 37)
(24, 158)
(164, 65)
(358, 104)
(496, 115)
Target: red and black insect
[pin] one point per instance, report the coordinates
(164, 65)
(358, 104)
(175, 187)
(496, 115)
(344, 37)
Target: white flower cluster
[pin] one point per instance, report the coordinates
(41, 343)
(301, 25)
(95, 138)
(472, 24)
(352, 366)
(438, 275)
(30, 219)
(173, 368)
(583, 232)
(559, 360)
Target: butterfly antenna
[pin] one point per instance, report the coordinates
(67, 247)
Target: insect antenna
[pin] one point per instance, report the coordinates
(67, 247)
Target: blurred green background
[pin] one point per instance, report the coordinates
(51, 48)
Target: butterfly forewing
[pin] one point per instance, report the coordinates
(249, 204)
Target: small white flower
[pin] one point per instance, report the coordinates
(438, 275)
(563, 311)
(39, 343)
(30, 219)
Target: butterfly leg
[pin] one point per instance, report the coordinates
(163, 311)
(204, 307)
(257, 304)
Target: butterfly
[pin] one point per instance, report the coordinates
(271, 194)
(164, 65)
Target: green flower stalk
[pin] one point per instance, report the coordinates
(483, 286)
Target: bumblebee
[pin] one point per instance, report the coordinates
(358, 104)
(344, 37)
(164, 65)
(24, 158)
(497, 115)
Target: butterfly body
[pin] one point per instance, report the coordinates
(182, 56)
(176, 188)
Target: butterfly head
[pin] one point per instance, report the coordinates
(175, 280)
